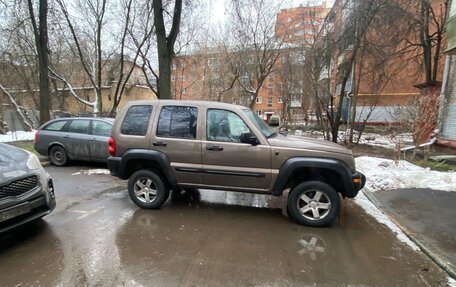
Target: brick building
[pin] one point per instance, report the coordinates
(207, 75)
(300, 25)
(382, 80)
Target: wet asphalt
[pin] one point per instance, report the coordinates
(97, 237)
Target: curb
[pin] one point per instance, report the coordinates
(435, 258)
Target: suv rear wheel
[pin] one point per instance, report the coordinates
(313, 203)
(147, 189)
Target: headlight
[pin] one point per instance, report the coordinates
(33, 162)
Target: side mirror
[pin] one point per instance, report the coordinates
(249, 138)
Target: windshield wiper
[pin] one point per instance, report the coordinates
(272, 135)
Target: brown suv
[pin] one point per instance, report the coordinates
(163, 145)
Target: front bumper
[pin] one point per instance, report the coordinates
(31, 205)
(359, 181)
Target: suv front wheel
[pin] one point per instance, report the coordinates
(313, 203)
(147, 189)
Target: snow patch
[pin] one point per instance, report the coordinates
(451, 282)
(92, 171)
(385, 174)
(17, 136)
(372, 210)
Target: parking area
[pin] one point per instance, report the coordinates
(97, 237)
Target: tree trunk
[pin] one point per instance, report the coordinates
(336, 120)
(164, 85)
(165, 46)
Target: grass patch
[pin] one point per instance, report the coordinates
(27, 145)
(434, 165)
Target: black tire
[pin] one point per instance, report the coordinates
(58, 156)
(313, 203)
(145, 194)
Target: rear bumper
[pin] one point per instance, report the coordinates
(114, 164)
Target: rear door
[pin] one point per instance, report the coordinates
(178, 136)
(99, 135)
(77, 139)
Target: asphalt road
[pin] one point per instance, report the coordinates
(97, 237)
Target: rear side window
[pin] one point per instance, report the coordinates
(100, 128)
(79, 126)
(177, 122)
(55, 126)
(136, 120)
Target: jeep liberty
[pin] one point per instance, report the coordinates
(167, 144)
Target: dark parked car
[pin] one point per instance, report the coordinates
(26, 189)
(67, 139)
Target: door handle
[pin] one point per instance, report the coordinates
(93, 139)
(66, 137)
(214, 148)
(159, 143)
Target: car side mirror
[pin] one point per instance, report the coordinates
(249, 138)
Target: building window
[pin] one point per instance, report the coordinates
(173, 78)
(259, 100)
(184, 90)
(183, 78)
(280, 100)
(269, 101)
(173, 66)
(183, 66)
(271, 76)
(258, 112)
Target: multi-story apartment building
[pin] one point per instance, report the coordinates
(300, 25)
(209, 75)
(384, 75)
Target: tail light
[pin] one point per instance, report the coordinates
(36, 136)
(112, 146)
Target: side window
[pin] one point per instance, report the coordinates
(224, 126)
(136, 120)
(177, 122)
(55, 126)
(100, 128)
(79, 126)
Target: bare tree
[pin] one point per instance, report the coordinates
(138, 37)
(41, 41)
(91, 60)
(165, 44)
(253, 23)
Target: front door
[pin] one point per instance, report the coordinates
(229, 163)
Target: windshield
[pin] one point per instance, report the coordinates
(259, 123)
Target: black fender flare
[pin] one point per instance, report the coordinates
(289, 166)
(150, 155)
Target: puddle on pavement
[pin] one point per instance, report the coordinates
(216, 238)
(210, 238)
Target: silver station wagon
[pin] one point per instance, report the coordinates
(68, 139)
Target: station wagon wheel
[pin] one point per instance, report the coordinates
(313, 203)
(147, 189)
(58, 156)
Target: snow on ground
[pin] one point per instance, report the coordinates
(17, 136)
(373, 139)
(372, 210)
(92, 171)
(385, 174)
